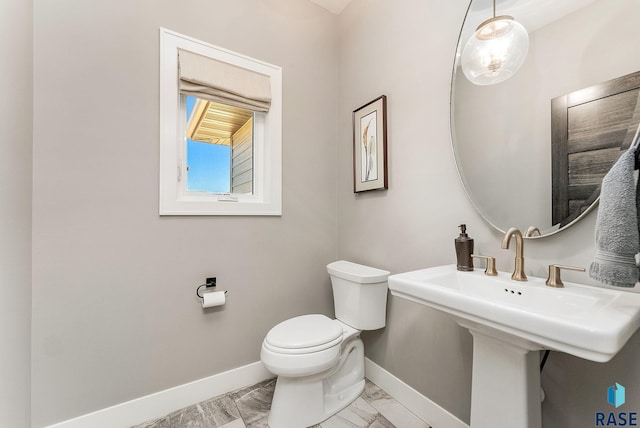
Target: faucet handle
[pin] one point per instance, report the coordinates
(491, 264)
(554, 280)
(532, 231)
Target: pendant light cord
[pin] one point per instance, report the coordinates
(544, 359)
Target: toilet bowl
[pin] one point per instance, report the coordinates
(319, 361)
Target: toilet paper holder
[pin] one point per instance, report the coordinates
(209, 283)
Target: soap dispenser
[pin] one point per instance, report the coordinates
(464, 249)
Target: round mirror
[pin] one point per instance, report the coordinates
(532, 150)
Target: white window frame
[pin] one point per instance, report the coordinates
(266, 198)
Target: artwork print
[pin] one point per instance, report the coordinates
(370, 146)
(368, 156)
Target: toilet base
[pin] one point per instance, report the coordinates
(303, 402)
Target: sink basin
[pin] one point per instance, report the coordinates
(510, 320)
(585, 321)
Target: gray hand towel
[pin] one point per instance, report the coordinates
(617, 225)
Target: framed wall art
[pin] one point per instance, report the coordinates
(370, 146)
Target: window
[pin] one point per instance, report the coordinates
(219, 147)
(220, 131)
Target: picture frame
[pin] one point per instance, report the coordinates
(370, 146)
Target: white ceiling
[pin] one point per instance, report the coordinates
(335, 6)
(532, 12)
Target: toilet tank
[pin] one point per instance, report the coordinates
(359, 294)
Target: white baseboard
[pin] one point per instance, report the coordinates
(417, 403)
(164, 402)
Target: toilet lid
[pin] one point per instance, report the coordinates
(305, 332)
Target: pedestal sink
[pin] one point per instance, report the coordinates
(510, 319)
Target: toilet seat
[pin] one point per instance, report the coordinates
(304, 334)
(302, 345)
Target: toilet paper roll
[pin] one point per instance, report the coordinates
(214, 298)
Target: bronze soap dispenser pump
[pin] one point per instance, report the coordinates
(464, 249)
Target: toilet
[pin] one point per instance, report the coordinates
(319, 361)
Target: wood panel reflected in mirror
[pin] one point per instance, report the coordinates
(590, 129)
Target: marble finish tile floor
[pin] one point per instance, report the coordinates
(249, 408)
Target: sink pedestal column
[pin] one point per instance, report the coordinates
(505, 389)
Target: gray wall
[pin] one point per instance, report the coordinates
(16, 108)
(407, 53)
(115, 316)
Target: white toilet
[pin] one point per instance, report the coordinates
(319, 361)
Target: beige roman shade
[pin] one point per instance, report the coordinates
(224, 83)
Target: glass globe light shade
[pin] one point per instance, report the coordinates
(496, 51)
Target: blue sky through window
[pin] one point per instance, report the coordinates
(209, 164)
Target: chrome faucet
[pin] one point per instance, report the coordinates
(518, 271)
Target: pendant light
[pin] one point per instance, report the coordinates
(496, 50)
